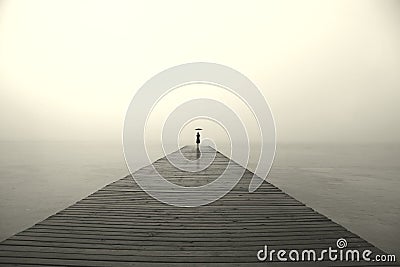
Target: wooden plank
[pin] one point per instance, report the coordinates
(120, 225)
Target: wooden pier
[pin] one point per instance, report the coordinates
(120, 225)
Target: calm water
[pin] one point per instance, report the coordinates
(357, 186)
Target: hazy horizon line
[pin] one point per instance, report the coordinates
(109, 141)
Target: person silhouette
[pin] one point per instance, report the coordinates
(198, 138)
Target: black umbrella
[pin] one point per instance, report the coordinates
(198, 129)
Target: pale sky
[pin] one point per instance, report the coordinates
(330, 70)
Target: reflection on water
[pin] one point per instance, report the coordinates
(357, 186)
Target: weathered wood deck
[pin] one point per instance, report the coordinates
(120, 225)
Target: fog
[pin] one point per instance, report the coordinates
(328, 69)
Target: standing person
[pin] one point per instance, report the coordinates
(198, 139)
